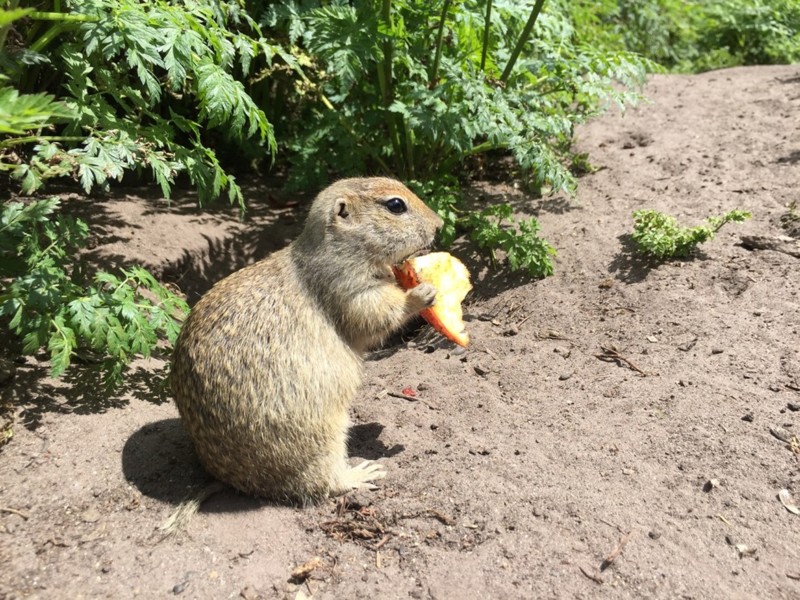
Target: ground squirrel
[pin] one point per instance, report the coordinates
(270, 358)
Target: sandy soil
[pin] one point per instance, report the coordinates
(528, 460)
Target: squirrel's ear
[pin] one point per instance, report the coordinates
(342, 209)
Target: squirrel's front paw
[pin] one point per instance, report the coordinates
(421, 297)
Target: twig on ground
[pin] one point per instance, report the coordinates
(403, 396)
(552, 334)
(592, 576)
(441, 517)
(611, 355)
(431, 513)
(14, 511)
(616, 551)
(525, 319)
(617, 527)
(412, 399)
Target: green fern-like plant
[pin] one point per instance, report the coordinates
(420, 89)
(659, 235)
(93, 90)
(52, 303)
(491, 229)
(141, 86)
(496, 228)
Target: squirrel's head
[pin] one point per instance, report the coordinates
(376, 217)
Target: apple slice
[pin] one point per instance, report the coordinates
(451, 279)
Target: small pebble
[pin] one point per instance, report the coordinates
(654, 534)
(90, 515)
(748, 417)
(179, 588)
(480, 370)
(249, 593)
(717, 351)
(565, 376)
(793, 407)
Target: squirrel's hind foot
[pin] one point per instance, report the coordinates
(361, 476)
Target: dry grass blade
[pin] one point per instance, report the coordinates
(611, 355)
(358, 524)
(411, 399)
(616, 551)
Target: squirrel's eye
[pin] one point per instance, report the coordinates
(396, 205)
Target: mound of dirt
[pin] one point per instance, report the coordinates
(607, 432)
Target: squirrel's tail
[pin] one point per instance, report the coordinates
(181, 516)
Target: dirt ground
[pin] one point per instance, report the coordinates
(532, 465)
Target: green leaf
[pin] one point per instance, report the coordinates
(61, 346)
(22, 113)
(83, 314)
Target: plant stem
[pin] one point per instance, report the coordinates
(409, 149)
(385, 81)
(484, 147)
(48, 36)
(10, 5)
(486, 25)
(386, 17)
(8, 143)
(63, 17)
(523, 39)
(439, 38)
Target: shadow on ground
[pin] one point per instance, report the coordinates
(364, 443)
(160, 461)
(80, 390)
(271, 220)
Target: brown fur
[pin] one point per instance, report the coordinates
(270, 358)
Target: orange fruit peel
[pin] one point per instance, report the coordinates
(451, 279)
